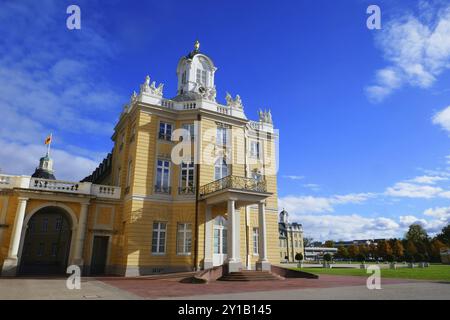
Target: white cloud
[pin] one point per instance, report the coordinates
(22, 159)
(428, 179)
(418, 50)
(441, 213)
(310, 204)
(442, 118)
(411, 190)
(347, 227)
(293, 177)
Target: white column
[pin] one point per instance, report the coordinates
(208, 260)
(81, 235)
(234, 260)
(263, 262)
(10, 264)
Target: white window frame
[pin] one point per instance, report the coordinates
(165, 164)
(190, 127)
(201, 77)
(159, 230)
(185, 169)
(165, 136)
(255, 149)
(255, 239)
(184, 233)
(222, 136)
(223, 167)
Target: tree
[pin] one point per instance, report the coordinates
(353, 251)
(397, 249)
(411, 250)
(307, 242)
(363, 251)
(384, 249)
(373, 251)
(416, 234)
(329, 244)
(444, 236)
(327, 257)
(435, 250)
(299, 257)
(342, 252)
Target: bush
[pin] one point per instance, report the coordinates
(299, 257)
(327, 257)
(390, 258)
(420, 257)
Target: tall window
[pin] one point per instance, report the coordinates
(189, 127)
(159, 237)
(221, 136)
(187, 178)
(165, 131)
(130, 167)
(201, 77)
(254, 149)
(184, 238)
(220, 169)
(162, 176)
(255, 240)
(54, 249)
(41, 248)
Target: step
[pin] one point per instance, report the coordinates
(250, 275)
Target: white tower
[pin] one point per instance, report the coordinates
(195, 74)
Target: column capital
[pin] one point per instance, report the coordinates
(23, 198)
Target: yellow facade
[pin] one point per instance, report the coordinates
(155, 224)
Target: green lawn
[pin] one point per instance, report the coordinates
(434, 272)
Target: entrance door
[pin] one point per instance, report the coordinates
(99, 254)
(47, 243)
(220, 241)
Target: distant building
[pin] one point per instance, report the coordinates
(291, 238)
(366, 242)
(317, 253)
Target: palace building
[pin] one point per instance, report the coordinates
(189, 184)
(291, 238)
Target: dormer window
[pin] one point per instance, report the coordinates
(201, 77)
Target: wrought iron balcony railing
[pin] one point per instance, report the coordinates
(236, 183)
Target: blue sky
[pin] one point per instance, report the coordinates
(363, 118)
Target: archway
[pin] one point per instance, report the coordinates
(46, 245)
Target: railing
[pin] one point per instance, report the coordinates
(189, 105)
(86, 188)
(186, 190)
(167, 103)
(234, 182)
(223, 110)
(161, 189)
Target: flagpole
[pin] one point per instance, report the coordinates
(48, 146)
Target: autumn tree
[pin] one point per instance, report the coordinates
(329, 244)
(342, 252)
(353, 251)
(444, 236)
(384, 250)
(397, 249)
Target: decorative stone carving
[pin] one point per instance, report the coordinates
(209, 94)
(265, 116)
(236, 103)
(148, 88)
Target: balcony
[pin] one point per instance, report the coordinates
(245, 190)
(236, 183)
(83, 188)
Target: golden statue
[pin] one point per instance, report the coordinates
(196, 45)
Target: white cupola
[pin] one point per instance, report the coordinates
(195, 74)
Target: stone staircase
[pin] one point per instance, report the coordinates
(250, 275)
